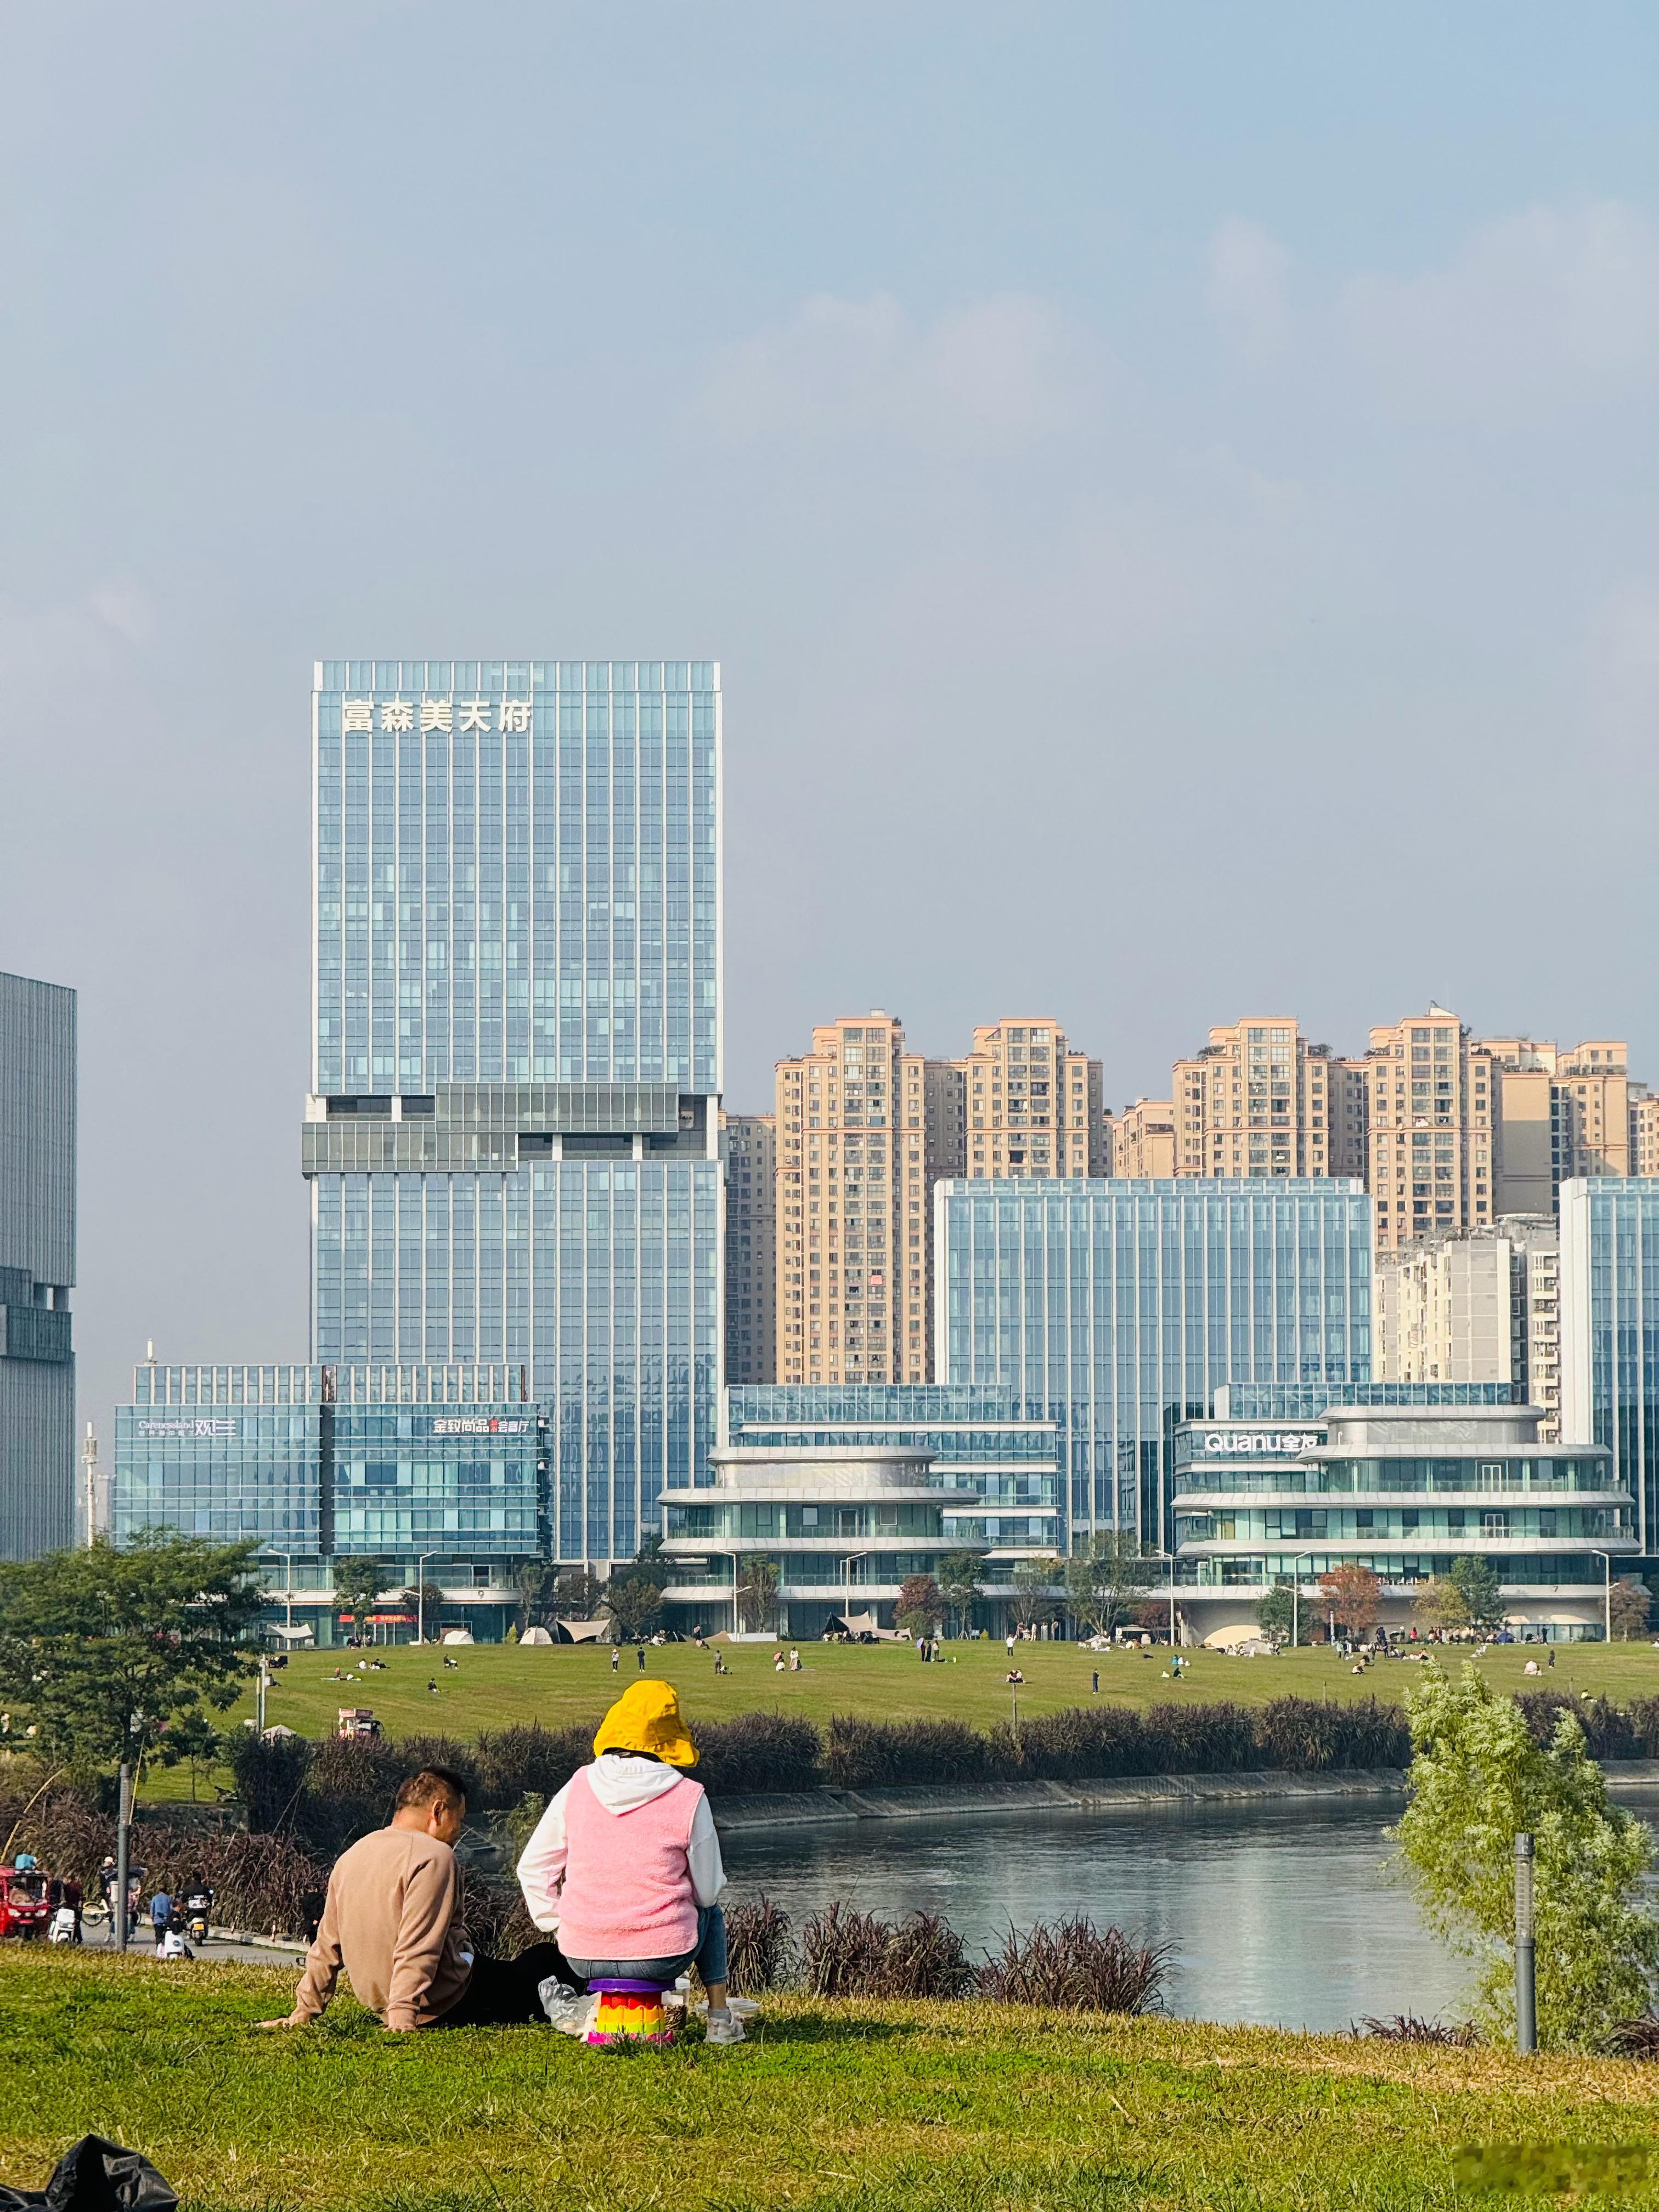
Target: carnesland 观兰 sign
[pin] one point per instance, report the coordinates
(1276, 1443)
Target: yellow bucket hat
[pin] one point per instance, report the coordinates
(646, 1717)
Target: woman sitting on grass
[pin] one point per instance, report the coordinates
(625, 1862)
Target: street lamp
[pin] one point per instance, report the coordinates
(1606, 1559)
(287, 1559)
(1296, 1595)
(420, 1594)
(853, 1559)
(1170, 1556)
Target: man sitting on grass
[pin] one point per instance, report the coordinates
(392, 1919)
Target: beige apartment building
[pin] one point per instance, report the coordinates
(1431, 1114)
(752, 1247)
(1480, 1307)
(1034, 1104)
(1141, 1140)
(1566, 1112)
(864, 1130)
(1260, 1099)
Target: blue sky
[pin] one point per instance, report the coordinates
(1172, 490)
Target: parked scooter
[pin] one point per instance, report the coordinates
(63, 1928)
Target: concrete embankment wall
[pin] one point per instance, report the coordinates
(847, 1808)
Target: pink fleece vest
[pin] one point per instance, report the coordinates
(627, 1891)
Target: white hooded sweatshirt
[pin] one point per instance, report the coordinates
(619, 1782)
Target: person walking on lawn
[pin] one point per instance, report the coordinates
(392, 1919)
(625, 1862)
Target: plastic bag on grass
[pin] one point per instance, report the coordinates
(96, 2176)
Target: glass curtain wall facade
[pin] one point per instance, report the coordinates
(512, 1139)
(1116, 1310)
(978, 1438)
(1610, 1332)
(443, 1473)
(36, 1267)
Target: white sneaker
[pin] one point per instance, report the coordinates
(726, 2027)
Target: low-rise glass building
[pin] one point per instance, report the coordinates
(844, 1527)
(438, 1471)
(1406, 1490)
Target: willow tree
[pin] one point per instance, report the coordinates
(1478, 1779)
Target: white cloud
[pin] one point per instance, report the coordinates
(998, 373)
(1549, 303)
(1246, 291)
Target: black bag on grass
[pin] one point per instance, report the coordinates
(96, 2176)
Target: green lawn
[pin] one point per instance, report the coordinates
(882, 2107)
(496, 1684)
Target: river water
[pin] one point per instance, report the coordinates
(1282, 1915)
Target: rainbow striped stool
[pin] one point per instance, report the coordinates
(629, 2013)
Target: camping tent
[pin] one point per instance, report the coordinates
(457, 1636)
(535, 1636)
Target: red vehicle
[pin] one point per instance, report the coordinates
(23, 1903)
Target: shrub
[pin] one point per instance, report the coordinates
(497, 1919)
(1406, 2027)
(1301, 1737)
(515, 1763)
(859, 1755)
(759, 1954)
(1609, 1731)
(855, 1954)
(1643, 1715)
(1097, 1741)
(270, 1773)
(1632, 2038)
(757, 1752)
(1074, 1965)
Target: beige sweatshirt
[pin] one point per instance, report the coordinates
(392, 1920)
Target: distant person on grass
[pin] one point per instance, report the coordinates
(625, 1862)
(392, 1919)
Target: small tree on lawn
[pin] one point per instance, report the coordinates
(1278, 1613)
(356, 1585)
(108, 1655)
(423, 1604)
(1478, 1587)
(1441, 1604)
(1033, 1581)
(577, 1595)
(757, 1591)
(1102, 1582)
(958, 1583)
(1352, 1596)
(1478, 1780)
(1630, 1607)
(538, 1581)
(920, 1609)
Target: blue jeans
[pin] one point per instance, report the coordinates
(708, 1957)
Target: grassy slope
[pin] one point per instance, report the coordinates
(495, 1686)
(964, 2108)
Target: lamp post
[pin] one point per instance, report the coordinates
(419, 1594)
(1170, 1556)
(1296, 1597)
(853, 1559)
(1606, 1557)
(287, 1559)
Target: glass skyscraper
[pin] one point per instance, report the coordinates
(1610, 1331)
(1116, 1308)
(512, 1135)
(36, 1267)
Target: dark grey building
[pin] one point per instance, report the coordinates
(36, 1267)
